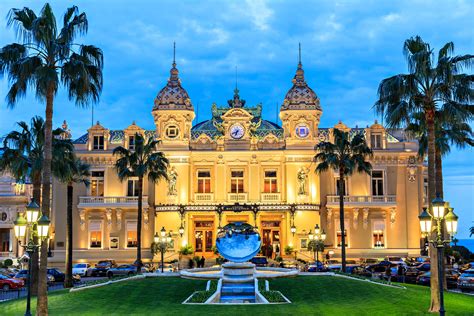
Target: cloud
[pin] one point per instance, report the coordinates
(259, 13)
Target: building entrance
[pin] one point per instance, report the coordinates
(271, 245)
(203, 237)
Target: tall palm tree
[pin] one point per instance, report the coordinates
(471, 231)
(45, 58)
(23, 158)
(71, 171)
(143, 161)
(347, 156)
(448, 131)
(430, 85)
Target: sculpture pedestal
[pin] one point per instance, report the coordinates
(238, 283)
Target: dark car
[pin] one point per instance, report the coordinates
(413, 272)
(451, 279)
(7, 283)
(124, 269)
(57, 274)
(361, 271)
(466, 281)
(102, 267)
(23, 275)
(259, 261)
(316, 267)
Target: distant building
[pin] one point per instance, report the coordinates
(237, 166)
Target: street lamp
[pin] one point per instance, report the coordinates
(317, 239)
(293, 229)
(30, 227)
(439, 215)
(162, 243)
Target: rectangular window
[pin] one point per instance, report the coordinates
(376, 141)
(378, 231)
(237, 181)
(95, 234)
(204, 181)
(339, 233)
(425, 188)
(97, 183)
(131, 142)
(345, 191)
(132, 234)
(132, 187)
(98, 142)
(377, 182)
(270, 182)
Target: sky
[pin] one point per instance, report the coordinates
(348, 47)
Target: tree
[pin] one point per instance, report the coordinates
(430, 85)
(45, 58)
(346, 156)
(471, 231)
(141, 162)
(71, 171)
(23, 158)
(449, 131)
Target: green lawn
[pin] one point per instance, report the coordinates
(310, 296)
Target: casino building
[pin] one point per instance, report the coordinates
(237, 166)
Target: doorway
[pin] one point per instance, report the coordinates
(203, 237)
(271, 244)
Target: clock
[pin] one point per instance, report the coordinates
(237, 131)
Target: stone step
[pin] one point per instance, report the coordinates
(237, 279)
(238, 299)
(236, 290)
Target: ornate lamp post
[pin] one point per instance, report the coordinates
(316, 239)
(29, 227)
(162, 243)
(451, 221)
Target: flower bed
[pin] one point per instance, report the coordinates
(203, 296)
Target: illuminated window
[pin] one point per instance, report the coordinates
(377, 182)
(131, 142)
(204, 181)
(172, 131)
(132, 241)
(270, 182)
(378, 231)
(237, 181)
(132, 187)
(97, 183)
(98, 142)
(95, 234)
(376, 141)
(339, 233)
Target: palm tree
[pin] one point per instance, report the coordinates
(429, 86)
(72, 170)
(45, 58)
(23, 158)
(141, 162)
(448, 131)
(346, 156)
(471, 231)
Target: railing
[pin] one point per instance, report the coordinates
(364, 199)
(270, 197)
(104, 201)
(237, 197)
(203, 197)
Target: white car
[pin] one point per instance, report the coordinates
(82, 269)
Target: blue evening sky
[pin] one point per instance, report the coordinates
(347, 48)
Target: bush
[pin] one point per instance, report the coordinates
(186, 250)
(203, 296)
(278, 259)
(288, 250)
(7, 263)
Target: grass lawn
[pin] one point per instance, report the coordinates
(310, 295)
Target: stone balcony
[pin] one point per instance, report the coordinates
(270, 197)
(203, 197)
(237, 197)
(363, 200)
(111, 201)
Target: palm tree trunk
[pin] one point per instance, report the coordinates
(42, 301)
(439, 173)
(341, 219)
(434, 284)
(139, 226)
(68, 282)
(35, 257)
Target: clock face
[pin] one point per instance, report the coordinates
(237, 131)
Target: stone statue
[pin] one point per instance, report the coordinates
(172, 178)
(302, 176)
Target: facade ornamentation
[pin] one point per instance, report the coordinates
(365, 217)
(302, 179)
(411, 168)
(172, 179)
(145, 217)
(355, 217)
(118, 214)
(393, 215)
(82, 216)
(108, 215)
(329, 216)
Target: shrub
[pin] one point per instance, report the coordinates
(186, 250)
(7, 263)
(203, 296)
(278, 259)
(288, 250)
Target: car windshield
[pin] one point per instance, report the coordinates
(468, 274)
(394, 259)
(80, 265)
(103, 263)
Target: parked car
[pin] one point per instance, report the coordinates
(82, 269)
(57, 274)
(316, 267)
(102, 267)
(23, 275)
(467, 266)
(362, 271)
(259, 261)
(7, 283)
(395, 260)
(168, 267)
(466, 281)
(338, 266)
(124, 269)
(368, 261)
(451, 279)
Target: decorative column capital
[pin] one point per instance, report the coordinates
(118, 214)
(82, 216)
(108, 215)
(355, 217)
(145, 217)
(393, 215)
(365, 216)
